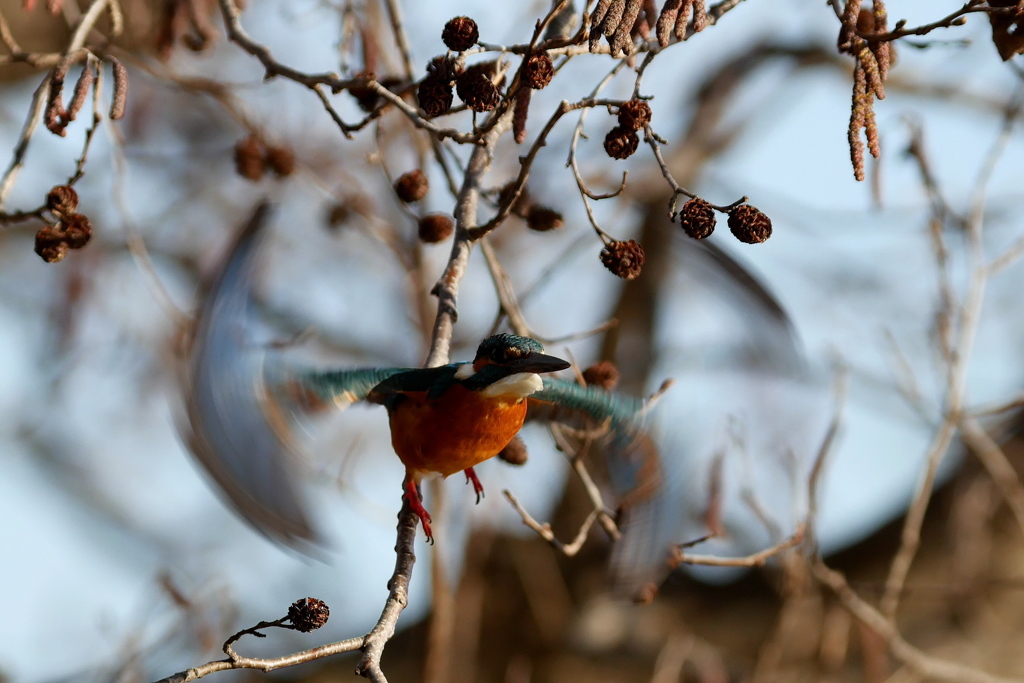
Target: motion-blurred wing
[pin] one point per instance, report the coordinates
(242, 401)
(647, 519)
(233, 431)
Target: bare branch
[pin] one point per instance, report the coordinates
(757, 559)
(372, 644)
(544, 530)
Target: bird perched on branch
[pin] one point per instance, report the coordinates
(443, 419)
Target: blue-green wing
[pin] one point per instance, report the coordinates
(376, 385)
(636, 471)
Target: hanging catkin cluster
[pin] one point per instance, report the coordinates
(674, 16)
(618, 21)
(869, 74)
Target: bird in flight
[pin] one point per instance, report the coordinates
(447, 419)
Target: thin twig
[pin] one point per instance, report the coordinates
(970, 314)
(996, 464)
(544, 530)
(506, 293)
(678, 189)
(39, 99)
(921, 663)
(757, 559)
(401, 38)
(372, 644)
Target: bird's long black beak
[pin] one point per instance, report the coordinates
(538, 362)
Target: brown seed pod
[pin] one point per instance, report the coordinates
(749, 225)
(444, 68)
(460, 33)
(515, 452)
(624, 259)
(55, 115)
(435, 227)
(435, 96)
(634, 115)
(847, 37)
(249, 160)
(602, 374)
(697, 218)
(523, 202)
(621, 40)
(346, 208)
(476, 88)
(620, 142)
(667, 21)
(50, 244)
(77, 230)
(860, 105)
(412, 186)
(366, 97)
(338, 214)
(81, 91)
(538, 70)
(308, 614)
(700, 16)
(519, 114)
(120, 99)
(542, 219)
(62, 199)
(682, 17)
(281, 160)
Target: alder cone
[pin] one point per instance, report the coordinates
(543, 219)
(435, 227)
(62, 198)
(602, 374)
(249, 160)
(623, 259)
(749, 225)
(308, 614)
(538, 70)
(515, 452)
(412, 186)
(697, 218)
(476, 89)
(50, 244)
(281, 161)
(460, 33)
(621, 143)
(634, 115)
(435, 96)
(77, 230)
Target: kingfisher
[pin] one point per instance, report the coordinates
(241, 400)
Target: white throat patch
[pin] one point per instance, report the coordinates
(519, 385)
(464, 371)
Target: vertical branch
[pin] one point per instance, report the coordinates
(401, 37)
(958, 362)
(398, 597)
(447, 288)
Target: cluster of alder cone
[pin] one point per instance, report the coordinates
(480, 87)
(65, 228)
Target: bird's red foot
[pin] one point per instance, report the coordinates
(478, 488)
(412, 494)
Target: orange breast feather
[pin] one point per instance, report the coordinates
(458, 430)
